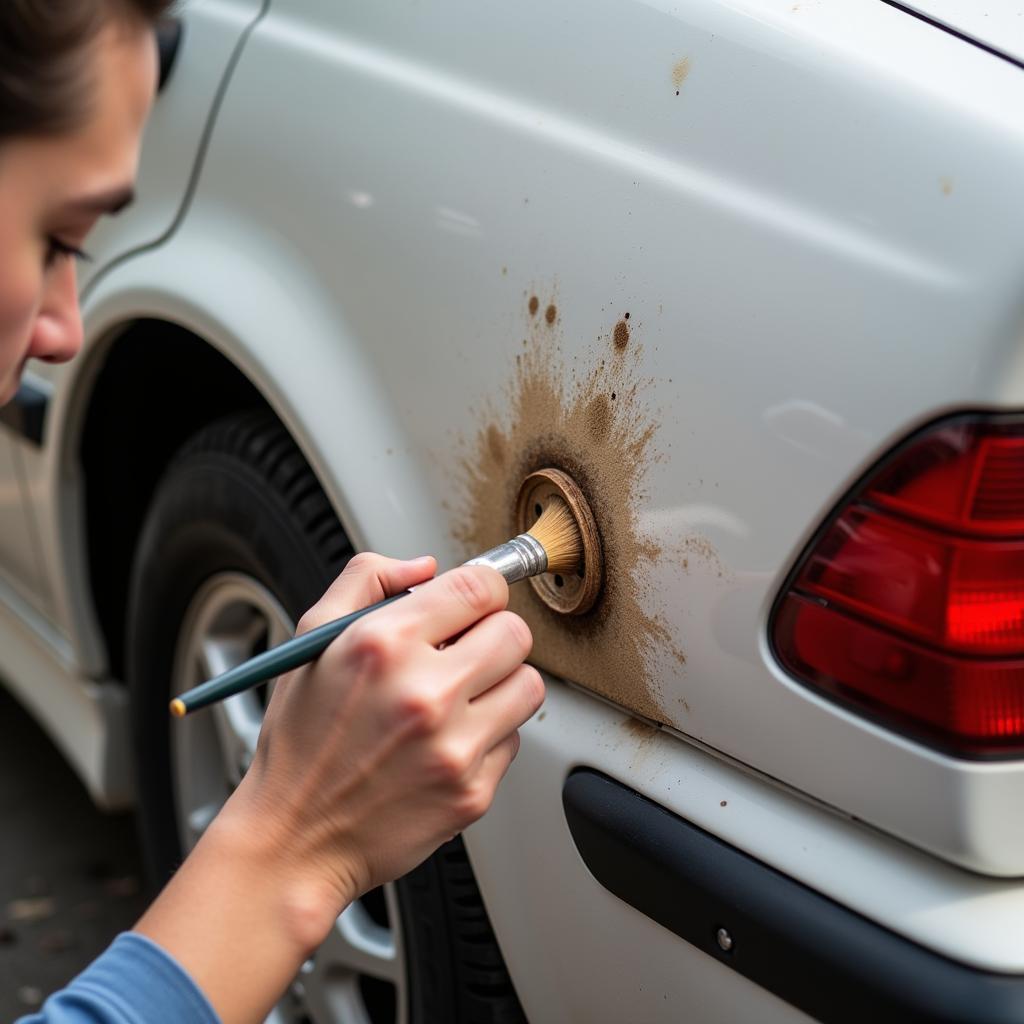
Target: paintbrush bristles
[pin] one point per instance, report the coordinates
(559, 536)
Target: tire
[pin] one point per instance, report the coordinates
(239, 528)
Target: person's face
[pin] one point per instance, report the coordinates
(53, 189)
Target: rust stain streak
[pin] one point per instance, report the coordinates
(680, 71)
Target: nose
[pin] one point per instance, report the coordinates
(57, 331)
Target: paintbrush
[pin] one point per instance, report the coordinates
(553, 544)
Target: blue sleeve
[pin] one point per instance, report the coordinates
(133, 982)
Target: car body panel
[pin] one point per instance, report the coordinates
(87, 719)
(797, 306)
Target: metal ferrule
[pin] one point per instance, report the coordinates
(516, 559)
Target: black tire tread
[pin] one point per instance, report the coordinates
(446, 909)
(261, 442)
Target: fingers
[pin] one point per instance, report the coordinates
(506, 707)
(367, 579)
(487, 653)
(449, 604)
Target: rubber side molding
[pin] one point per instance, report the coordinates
(815, 954)
(25, 413)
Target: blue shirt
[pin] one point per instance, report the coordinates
(133, 982)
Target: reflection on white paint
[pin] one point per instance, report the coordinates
(394, 500)
(811, 428)
(680, 520)
(457, 223)
(360, 200)
(749, 200)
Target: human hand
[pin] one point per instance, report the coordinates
(386, 746)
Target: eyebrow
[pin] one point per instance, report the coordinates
(112, 201)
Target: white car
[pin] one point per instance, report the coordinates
(750, 273)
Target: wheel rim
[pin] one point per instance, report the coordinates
(358, 975)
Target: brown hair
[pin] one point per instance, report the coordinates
(43, 53)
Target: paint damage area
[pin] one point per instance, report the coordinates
(680, 71)
(587, 417)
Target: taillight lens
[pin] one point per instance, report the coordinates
(909, 604)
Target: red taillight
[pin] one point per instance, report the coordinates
(909, 605)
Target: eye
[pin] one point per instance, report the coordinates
(57, 250)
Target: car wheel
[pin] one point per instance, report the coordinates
(238, 541)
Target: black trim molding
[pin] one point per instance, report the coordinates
(817, 955)
(25, 414)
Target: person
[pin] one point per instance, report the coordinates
(370, 758)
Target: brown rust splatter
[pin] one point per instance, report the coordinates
(550, 313)
(699, 546)
(641, 730)
(534, 305)
(599, 418)
(680, 70)
(496, 445)
(620, 336)
(561, 416)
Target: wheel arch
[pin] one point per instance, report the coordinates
(134, 419)
(176, 348)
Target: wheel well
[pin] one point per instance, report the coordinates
(158, 385)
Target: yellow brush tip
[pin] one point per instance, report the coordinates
(558, 534)
(178, 708)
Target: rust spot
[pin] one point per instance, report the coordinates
(641, 730)
(555, 413)
(620, 336)
(723, 803)
(946, 184)
(698, 546)
(680, 70)
(550, 313)
(534, 305)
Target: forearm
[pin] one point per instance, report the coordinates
(240, 916)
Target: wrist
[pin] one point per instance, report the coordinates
(244, 911)
(305, 898)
